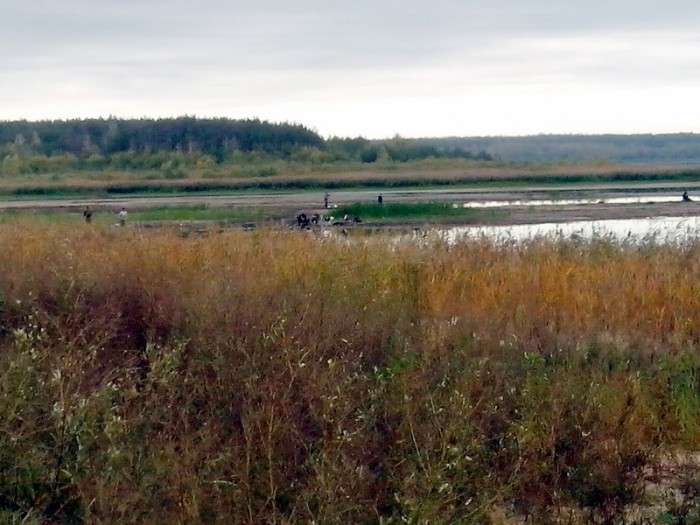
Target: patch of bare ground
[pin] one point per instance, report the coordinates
(671, 495)
(672, 489)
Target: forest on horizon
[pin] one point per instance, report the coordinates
(668, 148)
(97, 144)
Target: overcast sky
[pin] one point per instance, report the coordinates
(350, 68)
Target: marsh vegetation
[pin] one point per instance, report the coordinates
(275, 377)
(406, 212)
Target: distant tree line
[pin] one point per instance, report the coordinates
(214, 137)
(173, 144)
(672, 148)
(399, 149)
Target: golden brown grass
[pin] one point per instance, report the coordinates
(273, 377)
(281, 174)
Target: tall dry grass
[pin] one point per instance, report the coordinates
(274, 377)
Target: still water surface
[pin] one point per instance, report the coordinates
(643, 199)
(660, 230)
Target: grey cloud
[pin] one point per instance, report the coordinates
(273, 34)
(271, 51)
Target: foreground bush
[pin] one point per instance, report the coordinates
(277, 378)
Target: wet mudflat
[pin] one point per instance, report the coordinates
(498, 206)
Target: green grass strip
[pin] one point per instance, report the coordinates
(401, 211)
(199, 212)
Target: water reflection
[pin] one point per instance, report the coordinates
(645, 199)
(661, 230)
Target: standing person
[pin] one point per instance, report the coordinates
(123, 215)
(380, 199)
(325, 200)
(87, 214)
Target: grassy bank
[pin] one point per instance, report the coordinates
(139, 216)
(272, 377)
(436, 213)
(409, 212)
(304, 176)
(200, 212)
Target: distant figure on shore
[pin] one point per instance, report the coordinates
(123, 215)
(380, 199)
(87, 214)
(325, 200)
(685, 197)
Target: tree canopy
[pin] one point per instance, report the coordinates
(215, 137)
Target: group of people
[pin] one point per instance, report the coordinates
(303, 221)
(123, 215)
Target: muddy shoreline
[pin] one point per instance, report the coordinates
(283, 207)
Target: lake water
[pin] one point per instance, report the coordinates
(644, 199)
(660, 230)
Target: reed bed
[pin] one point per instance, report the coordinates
(278, 377)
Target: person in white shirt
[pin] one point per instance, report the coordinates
(123, 215)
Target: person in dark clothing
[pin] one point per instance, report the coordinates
(380, 199)
(685, 197)
(87, 214)
(302, 220)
